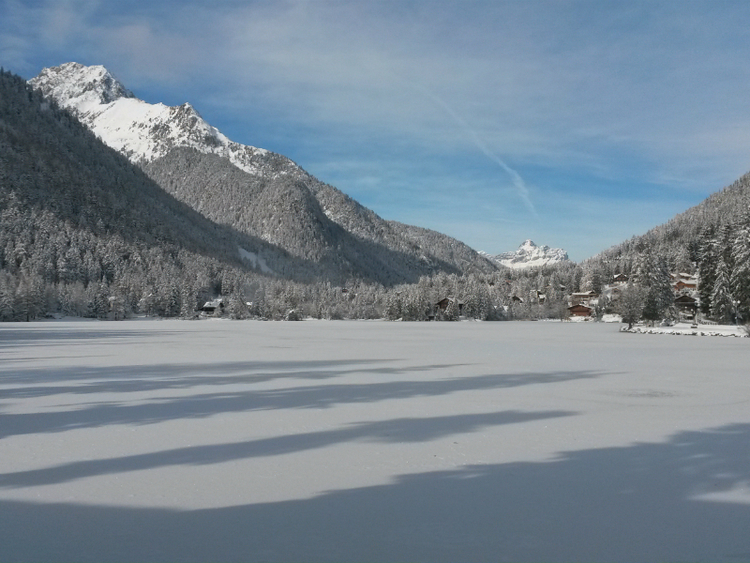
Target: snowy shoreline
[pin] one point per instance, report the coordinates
(686, 329)
(679, 329)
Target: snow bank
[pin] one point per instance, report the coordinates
(685, 329)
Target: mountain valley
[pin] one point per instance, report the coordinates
(112, 206)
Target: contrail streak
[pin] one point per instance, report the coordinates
(515, 177)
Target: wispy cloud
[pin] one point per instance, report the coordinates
(518, 182)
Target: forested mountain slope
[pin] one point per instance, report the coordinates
(81, 227)
(711, 239)
(679, 240)
(284, 210)
(255, 191)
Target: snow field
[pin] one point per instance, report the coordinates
(371, 441)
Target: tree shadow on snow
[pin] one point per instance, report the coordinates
(120, 410)
(16, 335)
(634, 503)
(401, 430)
(154, 377)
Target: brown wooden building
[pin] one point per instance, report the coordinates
(580, 310)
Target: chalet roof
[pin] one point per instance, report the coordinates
(215, 304)
(446, 300)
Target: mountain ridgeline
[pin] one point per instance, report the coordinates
(309, 220)
(254, 191)
(529, 255)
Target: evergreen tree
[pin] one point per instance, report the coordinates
(237, 307)
(630, 305)
(722, 306)
(394, 306)
(707, 266)
(661, 288)
(101, 303)
(740, 277)
(7, 298)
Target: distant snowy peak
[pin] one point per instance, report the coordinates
(529, 255)
(141, 131)
(87, 85)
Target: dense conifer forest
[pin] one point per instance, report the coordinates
(710, 240)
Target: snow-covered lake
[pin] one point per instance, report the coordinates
(371, 441)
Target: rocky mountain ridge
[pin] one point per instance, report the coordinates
(529, 255)
(141, 131)
(258, 192)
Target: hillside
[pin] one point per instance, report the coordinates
(84, 231)
(309, 220)
(711, 239)
(252, 190)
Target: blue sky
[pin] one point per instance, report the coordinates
(575, 124)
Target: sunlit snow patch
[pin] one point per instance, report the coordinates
(255, 260)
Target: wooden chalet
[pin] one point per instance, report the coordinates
(538, 296)
(684, 282)
(580, 310)
(212, 306)
(687, 306)
(680, 285)
(442, 305)
(583, 298)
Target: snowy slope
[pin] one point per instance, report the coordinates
(529, 255)
(141, 131)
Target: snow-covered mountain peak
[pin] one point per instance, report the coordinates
(140, 130)
(73, 84)
(529, 255)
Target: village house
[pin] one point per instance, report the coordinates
(583, 298)
(687, 306)
(684, 282)
(210, 307)
(580, 310)
(443, 304)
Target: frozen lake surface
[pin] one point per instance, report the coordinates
(371, 441)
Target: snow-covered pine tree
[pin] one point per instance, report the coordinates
(722, 306)
(740, 277)
(630, 304)
(7, 297)
(707, 265)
